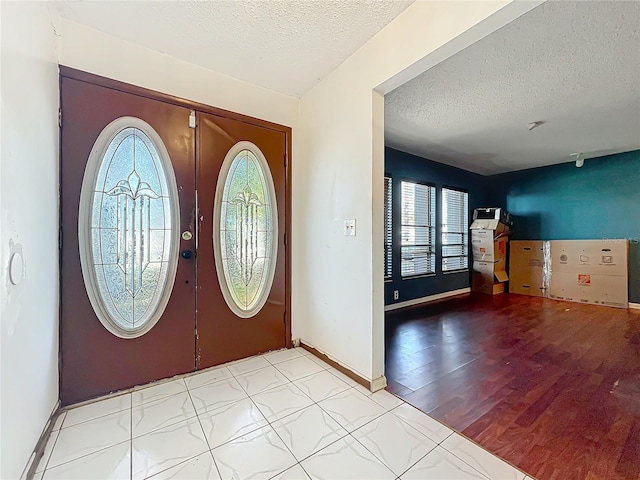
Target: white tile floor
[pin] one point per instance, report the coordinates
(283, 415)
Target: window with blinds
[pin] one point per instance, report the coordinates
(388, 228)
(455, 230)
(418, 229)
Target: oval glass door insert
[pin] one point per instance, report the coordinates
(128, 227)
(246, 229)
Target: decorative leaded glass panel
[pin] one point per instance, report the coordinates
(246, 221)
(127, 227)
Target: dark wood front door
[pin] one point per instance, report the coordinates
(197, 328)
(93, 360)
(222, 336)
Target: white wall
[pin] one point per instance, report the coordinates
(338, 303)
(96, 52)
(29, 217)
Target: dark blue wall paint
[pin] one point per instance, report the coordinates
(559, 202)
(562, 202)
(404, 166)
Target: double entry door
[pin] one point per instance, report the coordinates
(173, 228)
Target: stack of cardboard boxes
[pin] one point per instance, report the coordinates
(585, 271)
(489, 239)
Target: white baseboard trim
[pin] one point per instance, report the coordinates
(378, 383)
(430, 298)
(634, 306)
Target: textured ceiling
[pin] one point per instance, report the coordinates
(284, 45)
(573, 65)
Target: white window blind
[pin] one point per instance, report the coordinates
(418, 229)
(455, 230)
(388, 228)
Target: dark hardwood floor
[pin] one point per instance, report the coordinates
(552, 387)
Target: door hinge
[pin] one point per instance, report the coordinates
(59, 117)
(285, 160)
(192, 119)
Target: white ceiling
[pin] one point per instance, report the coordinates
(283, 45)
(573, 65)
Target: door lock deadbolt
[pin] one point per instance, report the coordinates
(187, 235)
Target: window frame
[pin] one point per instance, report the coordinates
(222, 267)
(431, 229)
(388, 228)
(87, 253)
(464, 233)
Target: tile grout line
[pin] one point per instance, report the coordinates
(299, 462)
(270, 423)
(176, 423)
(350, 433)
(206, 439)
(471, 466)
(81, 456)
(46, 465)
(376, 456)
(328, 369)
(173, 422)
(87, 454)
(131, 436)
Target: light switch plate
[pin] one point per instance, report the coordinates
(350, 227)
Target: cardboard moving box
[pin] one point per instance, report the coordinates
(590, 271)
(481, 285)
(489, 277)
(527, 268)
(485, 247)
(493, 213)
(608, 290)
(601, 257)
(489, 249)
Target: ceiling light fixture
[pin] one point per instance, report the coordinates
(579, 159)
(533, 125)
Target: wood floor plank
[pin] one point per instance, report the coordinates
(629, 462)
(552, 387)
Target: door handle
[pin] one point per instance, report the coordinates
(186, 254)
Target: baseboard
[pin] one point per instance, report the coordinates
(430, 298)
(341, 368)
(634, 306)
(38, 451)
(378, 383)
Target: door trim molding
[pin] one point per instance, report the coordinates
(94, 79)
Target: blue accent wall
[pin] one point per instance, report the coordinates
(562, 202)
(558, 202)
(404, 166)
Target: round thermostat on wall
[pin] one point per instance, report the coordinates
(16, 268)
